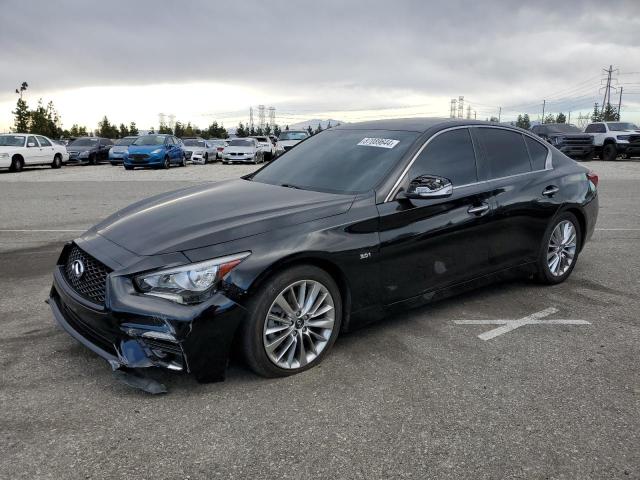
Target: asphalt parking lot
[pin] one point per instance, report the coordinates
(419, 395)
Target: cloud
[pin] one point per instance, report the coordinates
(358, 54)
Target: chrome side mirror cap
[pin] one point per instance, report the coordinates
(429, 186)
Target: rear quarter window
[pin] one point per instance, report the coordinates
(537, 152)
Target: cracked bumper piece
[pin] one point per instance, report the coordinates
(132, 331)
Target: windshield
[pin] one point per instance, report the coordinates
(563, 128)
(261, 139)
(194, 143)
(620, 126)
(84, 142)
(12, 140)
(293, 136)
(241, 143)
(149, 140)
(125, 141)
(339, 161)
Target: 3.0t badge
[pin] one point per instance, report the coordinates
(77, 267)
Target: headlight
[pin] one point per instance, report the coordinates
(191, 283)
(156, 151)
(84, 154)
(623, 137)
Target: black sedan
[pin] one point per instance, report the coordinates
(348, 226)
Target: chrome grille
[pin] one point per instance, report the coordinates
(93, 281)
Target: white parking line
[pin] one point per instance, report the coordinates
(617, 229)
(508, 325)
(37, 231)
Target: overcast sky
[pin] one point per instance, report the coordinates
(206, 60)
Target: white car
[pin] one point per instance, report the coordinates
(611, 138)
(19, 150)
(268, 149)
(288, 139)
(242, 150)
(198, 150)
(219, 145)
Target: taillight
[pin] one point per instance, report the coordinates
(593, 178)
(220, 149)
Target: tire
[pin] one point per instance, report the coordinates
(17, 164)
(183, 162)
(93, 160)
(114, 164)
(546, 257)
(609, 152)
(206, 158)
(128, 167)
(254, 337)
(167, 163)
(57, 162)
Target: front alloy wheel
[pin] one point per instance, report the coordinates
(296, 318)
(299, 324)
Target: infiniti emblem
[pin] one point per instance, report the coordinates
(77, 267)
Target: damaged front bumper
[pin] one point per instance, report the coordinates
(132, 331)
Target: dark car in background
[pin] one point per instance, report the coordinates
(120, 149)
(567, 138)
(90, 150)
(350, 225)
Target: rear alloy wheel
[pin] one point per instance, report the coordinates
(17, 164)
(206, 158)
(183, 163)
(296, 319)
(57, 162)
(609, 152)
(559, 252)
(93, 160)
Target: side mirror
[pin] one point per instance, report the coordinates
(429, 186)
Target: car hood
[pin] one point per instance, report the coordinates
(288, 143)
(238, 150)
(120, 148)
(143, 148)
(81, 148)
(205, 215)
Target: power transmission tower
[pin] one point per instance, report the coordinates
(606, 99)
(272, 116)
(261, 116)
(460, 106)
(251, 126)
(468, 112)
(452, 111)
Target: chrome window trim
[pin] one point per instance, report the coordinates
(548, 165)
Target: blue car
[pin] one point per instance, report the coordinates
(120, 149)
(157, 151)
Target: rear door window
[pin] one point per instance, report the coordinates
(448, 155)
(505, 152)
(44, 142)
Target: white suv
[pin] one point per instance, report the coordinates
(611, 138)
(266, 147)
(18, 150)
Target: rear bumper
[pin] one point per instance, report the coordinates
(135, 331)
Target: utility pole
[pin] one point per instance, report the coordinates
(460, 106)
(475, 115)
(499, 114)
(569, 119)
(544, 103)
(251, 127)
(619, 104)
(452, 112)
(607, 89)
(469, 112)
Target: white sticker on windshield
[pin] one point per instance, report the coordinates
(379, 142)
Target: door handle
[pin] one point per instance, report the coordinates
(479, 210)
(550, 191)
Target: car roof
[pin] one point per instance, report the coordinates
(414, 124)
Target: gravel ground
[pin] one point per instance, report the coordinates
(416, 396)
